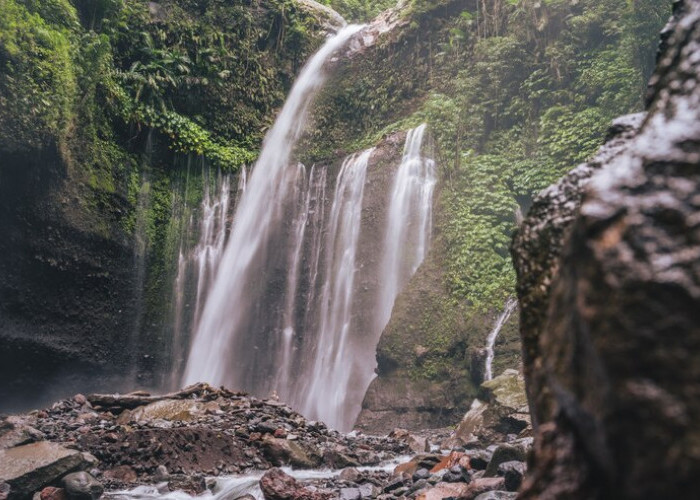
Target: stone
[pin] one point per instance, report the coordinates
(445, 490)
(82, 486)
(276, 485)
(193, 485)
(485, 484)
(15, 432)
(53, 493)
(367, 490)
(122, 473)
(415, 443)
(30, 467)
(4, 490)
(421, 474)
(171, 410)
(350, 474)
(479, 459)
(284, 452)
(504, 453)
(338, 460)
(161, 473)
(350, 494)
(512, 472)
(497, 495)
(609, 286)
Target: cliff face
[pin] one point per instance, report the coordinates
(101, 143)
(609, 286)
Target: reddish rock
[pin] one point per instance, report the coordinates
(280, 433)
(80, 399)
(51, 493)
(276, 485)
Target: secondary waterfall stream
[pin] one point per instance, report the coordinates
(503, 318)
(289, 310)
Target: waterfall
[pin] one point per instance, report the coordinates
(241, 283)
(198, 266)
(511, 304)
(293, 309)
(409, 224)
(333, 364)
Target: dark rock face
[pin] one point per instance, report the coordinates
(67, 302)
(609, 284)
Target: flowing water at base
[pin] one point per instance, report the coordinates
(231, 487)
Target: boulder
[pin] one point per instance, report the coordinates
(172, 410)
(15, 432)
(504, 453)
(502, 409)
(610, 292)
(82, 486)
(30, 467)
(276, 485)
(284, 452)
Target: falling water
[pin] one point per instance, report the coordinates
(511, 304)
(198, 266)
(333, 365)
(290, 310)
(409, 224)
(239, 284)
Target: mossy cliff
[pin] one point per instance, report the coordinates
(110, 112)
(514, 93)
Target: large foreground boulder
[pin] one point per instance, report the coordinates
(609, 283)
(29, 467)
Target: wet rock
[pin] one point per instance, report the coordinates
(276, 485)
(512, 472)
(30, 467)
(285, 452)
(501, 410)
(4, 490)
(82, 486)
(193, 485)
(614, 333)
(338, 460)
(53, 493)
(504, 453)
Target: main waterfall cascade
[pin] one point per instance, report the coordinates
(287, 310)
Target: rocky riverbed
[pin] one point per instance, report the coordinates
(214, 443)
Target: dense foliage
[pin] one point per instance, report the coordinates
(206, 75)
(533, 96)
(359, 10)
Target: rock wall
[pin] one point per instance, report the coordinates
(609, 286)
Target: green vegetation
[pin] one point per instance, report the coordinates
(532, 100)
(359, 10)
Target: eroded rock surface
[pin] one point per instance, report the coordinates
(609, 283)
